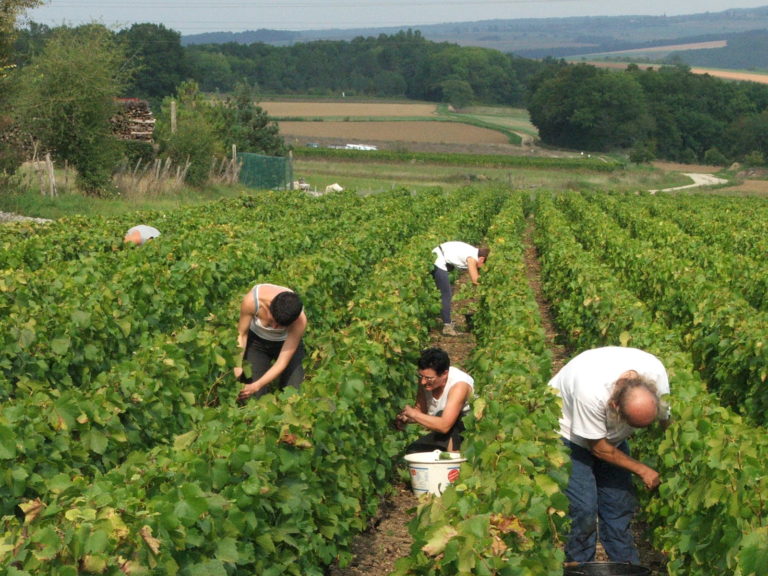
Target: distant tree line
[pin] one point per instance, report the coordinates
(403, 65)
(667, 113)
(60, 85)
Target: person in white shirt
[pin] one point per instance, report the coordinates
(442, 400)
(450, 255)
(141, 234)
(606, 394)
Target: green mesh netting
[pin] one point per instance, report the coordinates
(265, 172)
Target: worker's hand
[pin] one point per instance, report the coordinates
(650, 478)
(408, 413)
(248, 390)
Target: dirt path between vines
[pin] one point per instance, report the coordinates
(376, 550)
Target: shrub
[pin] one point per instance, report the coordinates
(137, 150)
(754, 158)
(714, 157)
(11, 152)
(641, 154)
(193, 145)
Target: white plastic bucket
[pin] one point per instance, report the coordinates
(431, 473)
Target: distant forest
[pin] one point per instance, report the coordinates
(668, 113)
(403, 65)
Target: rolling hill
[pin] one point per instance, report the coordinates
(734, 29)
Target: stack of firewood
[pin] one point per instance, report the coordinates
(134, 120)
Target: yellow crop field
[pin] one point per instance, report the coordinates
(758, 77)
(672, 48)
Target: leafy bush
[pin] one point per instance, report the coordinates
(194, 146)
(66, 98)
(754, 158)
(189, 139)
(137, 150)
(11, 154)
(641, 154)
(714, 157)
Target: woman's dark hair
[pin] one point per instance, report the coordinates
(435, 358)
(285, 308)
(483, 252)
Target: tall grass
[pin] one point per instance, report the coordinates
(26, 193)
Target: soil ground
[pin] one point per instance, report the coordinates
(376, 550)
(405, 131)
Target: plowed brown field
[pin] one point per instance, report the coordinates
(369, 123)
(404, 131)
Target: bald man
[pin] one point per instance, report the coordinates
(141, 234)
(607, 393)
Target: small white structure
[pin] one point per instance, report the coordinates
(360, 147)
(301, 185)
(333, 188)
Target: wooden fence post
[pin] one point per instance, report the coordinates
(51, 176)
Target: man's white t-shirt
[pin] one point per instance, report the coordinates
(585, 384)
(454, 253)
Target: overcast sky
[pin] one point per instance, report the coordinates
(197, 16)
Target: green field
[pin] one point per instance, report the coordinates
(367, 174)
(124, 449)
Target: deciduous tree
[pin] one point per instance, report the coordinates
(160, 58)
(67, 96)
(583, 107)
(192, 143)
(239, 120)
(10, 10)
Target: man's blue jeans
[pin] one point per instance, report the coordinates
(600, 492)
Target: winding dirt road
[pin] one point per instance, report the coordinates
(698, 180)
